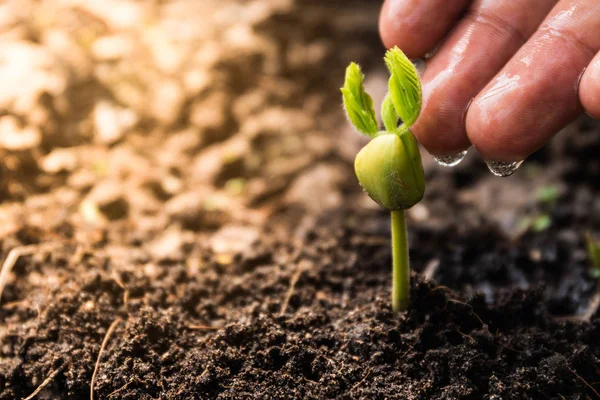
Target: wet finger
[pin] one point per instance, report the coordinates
(589, 88)
(487, 37)
(535, 94)
(417, 26)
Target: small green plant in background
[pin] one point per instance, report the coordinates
(593, 251)
(389, 167)
(547, 195)
(546, 198)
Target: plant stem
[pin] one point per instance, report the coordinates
(400, 264)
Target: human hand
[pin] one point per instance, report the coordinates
(508, 74)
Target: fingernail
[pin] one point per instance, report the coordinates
(503, 168)
(579, 81)
(450, 161)
(467, 109)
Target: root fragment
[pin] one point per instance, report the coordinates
(121, 388)
(204, 327)
(109, 333)
(299, 270)
(362, 380)
(591, 310)
(593, 306)
(46, 382)
(14, 255)
(484, 326)
(584, 381)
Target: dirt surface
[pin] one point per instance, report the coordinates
(177, 184)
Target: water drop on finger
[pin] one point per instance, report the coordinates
(450, 161)
(503, 168)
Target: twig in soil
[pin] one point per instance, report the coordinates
(299, 270)
(357, 384)
(25, 303)
(120, 283)
(583, 380)
(204, 372)
(122, 387)
(46, 382)
(471, 339)
(592, 308)
(204, 327)
(474, 357)
(15, 304)
(410, 348)
(14, 255)
(483, 324)
(78, 255)
(109, 332)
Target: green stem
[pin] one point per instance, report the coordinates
(400, 264)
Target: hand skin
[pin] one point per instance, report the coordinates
(505, 76)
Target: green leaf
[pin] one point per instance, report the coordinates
(404, 86)
(541, 223)
(389, 114)
(358, 104)
(593, 250)
(547, 194)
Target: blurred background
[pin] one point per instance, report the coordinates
(139, 110)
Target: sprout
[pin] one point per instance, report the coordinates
(389, 167)
(593, 250)
(358, 104)
(547, 194)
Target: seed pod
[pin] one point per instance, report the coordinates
(390, 170)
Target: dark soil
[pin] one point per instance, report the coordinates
(266, 274)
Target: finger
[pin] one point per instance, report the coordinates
(589, 88)
(417, 26)
(487, 37)
(535, 94)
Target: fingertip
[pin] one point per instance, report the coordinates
(480, 127)
(417, 26)
(489, 132)
(396, 28)
(440, 131)
(589, 88)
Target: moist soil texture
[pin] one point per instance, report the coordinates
(179, 219)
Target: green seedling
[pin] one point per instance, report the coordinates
(547, 195)
(389, 167)
(534, 223)
(593, 251)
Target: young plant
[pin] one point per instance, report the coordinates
(593, 250)
(389, 167)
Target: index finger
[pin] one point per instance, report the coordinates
(417, 26)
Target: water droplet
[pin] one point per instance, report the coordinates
(450, 161)
(503, 168)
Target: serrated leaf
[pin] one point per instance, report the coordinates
(358, 104)
(389, 114)
(404, 86)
